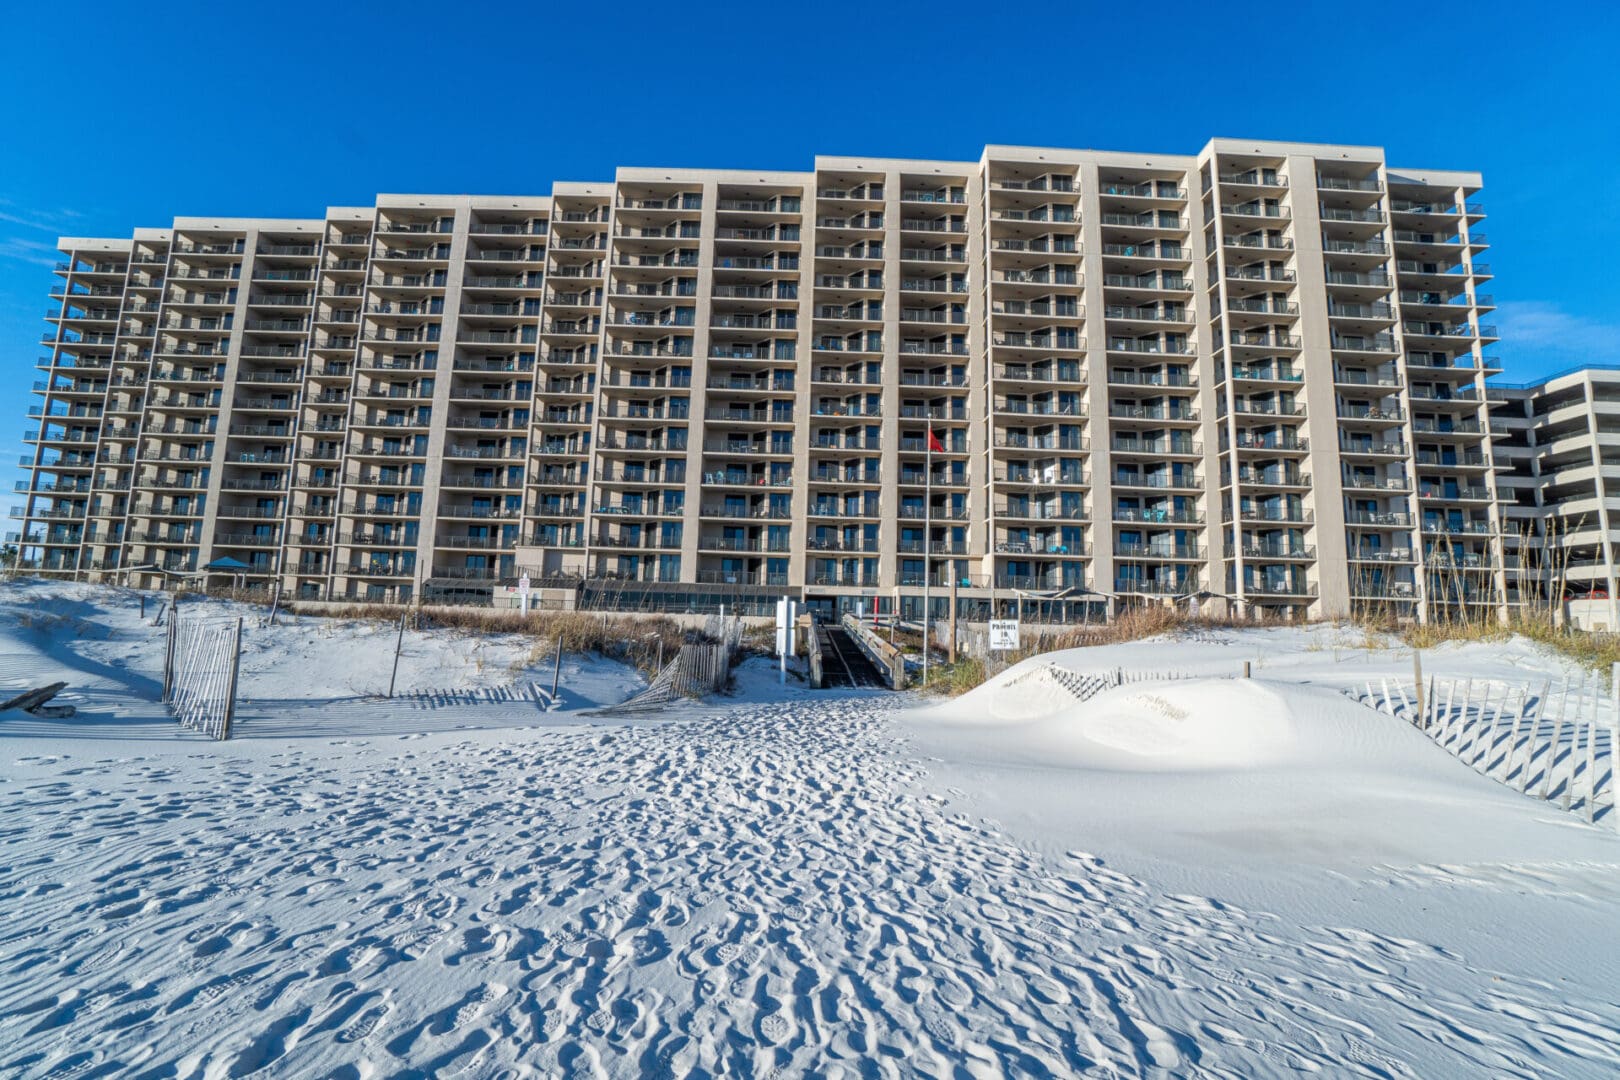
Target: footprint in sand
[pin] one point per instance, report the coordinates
(775, 1028)
(553, 1023)
(100, 960)
(418, 943)
(364, 1026)
(677, 1057)
(475, 1063)
(475, 1005)
(938, 1026)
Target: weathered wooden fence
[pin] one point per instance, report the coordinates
(1555, 742)
(696, 670)
(1085, 685)
(726, 629)
(202, 658)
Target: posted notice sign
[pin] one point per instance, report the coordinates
(1004, 634)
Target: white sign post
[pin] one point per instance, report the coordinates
(523, 593)
(1003, 635)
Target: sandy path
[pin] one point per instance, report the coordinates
(755, 891)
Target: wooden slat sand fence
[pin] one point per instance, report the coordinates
(1552, 741)
(1085, 685)
(201, 661)
(697, 670)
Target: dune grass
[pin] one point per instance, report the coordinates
(1598, 652)
(637, 640)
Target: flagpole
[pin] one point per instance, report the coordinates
(928, 532)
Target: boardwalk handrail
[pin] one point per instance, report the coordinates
(885, 657)
(812, 643)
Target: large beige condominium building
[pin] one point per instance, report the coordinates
(1054, 380)
(1556, 444)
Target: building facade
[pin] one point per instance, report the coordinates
(1058, 380)
(1556, 444)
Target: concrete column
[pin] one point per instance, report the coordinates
(442, 380)
(889, 503)
(1324, 500)
(1098, 428)
(698, 400)
(227, 395)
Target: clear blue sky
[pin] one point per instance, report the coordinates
(118, 115)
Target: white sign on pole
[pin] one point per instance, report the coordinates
(782, 626)
(1004, 634)
(785, 614)
(523, 593)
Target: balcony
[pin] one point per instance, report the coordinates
(1374, 343)
(1380, 554)
(1157, 480)
(1354, 247)
(836, 543)
(1147, 189)
(1281, 514)
(1149, 347)
(1370, 413)
(1128, 411)
(1298, 589)
(1259, 273)
(1157, 551)
(1018, 441)
(1410, 206)
(1396, 484)
(1379, 519)
(1461, 493)
(1042, 511)
(1266, 374)
(1250, 407)
(1064, 373)
(1340, 183)
(1457, 528)
(1056, 183)
(1126, 377)
(1378, 310)
(1454, 330)
(1039, 408)
(1271, 477)
(1125, 444)
(1039, 477)
(1255, 178)
(1247, 440)
(1255, 210)
(1360, 217)
(1150, 586)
